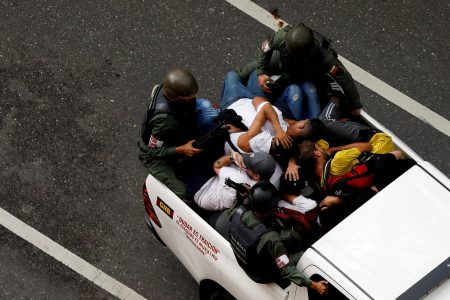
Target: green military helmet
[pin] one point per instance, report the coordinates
(300, 41)
(180, 83)
(263, 197)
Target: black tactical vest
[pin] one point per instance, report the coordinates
(185, 114)
(244, 240)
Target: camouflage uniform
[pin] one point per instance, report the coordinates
(273, 245)
(173, 126)
(323, 66)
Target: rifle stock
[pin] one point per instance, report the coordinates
(214, 133)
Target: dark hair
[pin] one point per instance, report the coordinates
(317, 129)
(291, 187)
(332, 216)
(305, 156)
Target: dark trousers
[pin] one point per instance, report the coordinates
(387, 168)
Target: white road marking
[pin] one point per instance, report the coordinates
(63, 255)
(373, 83)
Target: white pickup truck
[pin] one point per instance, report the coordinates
(395, 246)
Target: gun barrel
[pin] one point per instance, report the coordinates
(237, 186)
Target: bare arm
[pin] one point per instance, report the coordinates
(362, 147)
(227, 160)
(269, 113)
(266, 113)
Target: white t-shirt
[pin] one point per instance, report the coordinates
(276, 176)
(244, 108)
(215, 195)
(262, 141)
(301, 204)
(259, 143)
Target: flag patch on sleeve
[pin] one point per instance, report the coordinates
(282, 261)
(154, 142)
(265, 46)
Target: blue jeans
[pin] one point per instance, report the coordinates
(200, 167)
(233, 90)
(298, 101)
(206, 114)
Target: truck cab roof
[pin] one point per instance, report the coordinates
(396, 245)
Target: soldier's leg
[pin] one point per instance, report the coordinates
(162, 171)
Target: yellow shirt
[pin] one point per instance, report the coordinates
(381, 143)
(343, 161)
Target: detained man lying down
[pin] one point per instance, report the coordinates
(267, 128)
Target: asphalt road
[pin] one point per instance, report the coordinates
(74, 80)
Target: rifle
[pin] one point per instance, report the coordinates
(241, 195)
(219, 131)
(227, 116)
(239, 187)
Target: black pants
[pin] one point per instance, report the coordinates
(387, 168)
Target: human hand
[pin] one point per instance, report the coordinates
(329, 201)
(284, 139)
(238, 160)
(321, 287)
(248, 187)
(292, 172)
(262, 79)
(189, 150)
(355, 112)
(398, 154)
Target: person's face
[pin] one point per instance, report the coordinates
(319, 152)
(252, 175)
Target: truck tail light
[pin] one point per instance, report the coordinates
(149, 207)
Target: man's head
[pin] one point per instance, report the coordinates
(180, 85)
(259, 165)
(300, 42)
(309, 128)
(263, 197)
(295, 187)
(309, 154)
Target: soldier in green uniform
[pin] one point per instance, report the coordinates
(171, 126)
(297, 53)
(265, 247)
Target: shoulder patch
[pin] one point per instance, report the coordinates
(265, 46)
(282, 261)
(154, 142)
